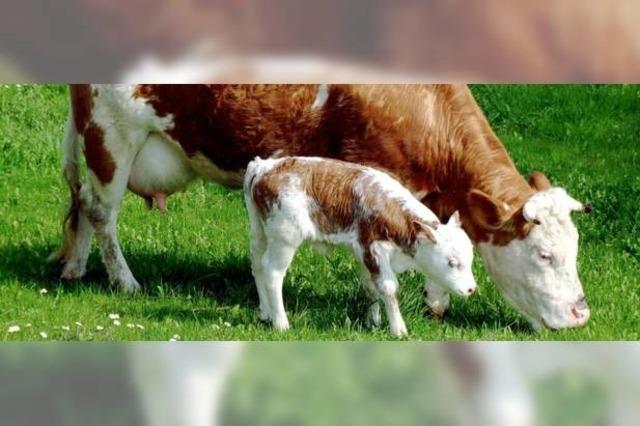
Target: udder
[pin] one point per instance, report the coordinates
(160, 169)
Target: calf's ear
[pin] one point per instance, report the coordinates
(539, 181)
(424, 230)
(487, 211)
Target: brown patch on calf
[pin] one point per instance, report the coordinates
(336, 207)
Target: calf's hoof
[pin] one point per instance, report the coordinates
(263, 316)
(281, 324)
(373, 316)
(399, 331)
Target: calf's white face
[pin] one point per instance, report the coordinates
(538, 274)
(448, 262)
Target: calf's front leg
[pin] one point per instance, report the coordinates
(387, 286)
(373, 313)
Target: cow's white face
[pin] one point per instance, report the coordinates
(538, 274)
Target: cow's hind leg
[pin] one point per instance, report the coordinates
(109, 159)
(77, 230)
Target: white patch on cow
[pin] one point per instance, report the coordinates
(538, 274)
(321, 96)
(277, 235)
(160, 166)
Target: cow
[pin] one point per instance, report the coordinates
(326, 202)
(434, 139)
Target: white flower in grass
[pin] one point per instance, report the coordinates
(28, 325)
(65, 328)
(13, 328)
(140, 326)
(44, 291)
(43, 335)
(116, 322)
(114, 316)
(176, 337)
(78, 323)
(130, 325)
(99, 327)
(226, 324)
(173, 340)
(215, 327)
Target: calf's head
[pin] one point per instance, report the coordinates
(444, 253)
(532, 253)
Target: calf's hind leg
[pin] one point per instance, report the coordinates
(258, 248)
(275, 262)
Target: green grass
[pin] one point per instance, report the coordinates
(193, 261)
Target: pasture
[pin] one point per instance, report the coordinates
(193, 261)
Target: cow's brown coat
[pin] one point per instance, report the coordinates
(383, 126)
(433, 138)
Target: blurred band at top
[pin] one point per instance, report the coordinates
(328, 41)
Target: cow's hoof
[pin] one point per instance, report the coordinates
(72, 271)
(128, 286)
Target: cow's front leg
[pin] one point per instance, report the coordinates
(436, 299)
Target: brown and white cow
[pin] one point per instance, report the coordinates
(434, 139)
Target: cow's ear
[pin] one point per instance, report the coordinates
(539, 181)
(487, 211)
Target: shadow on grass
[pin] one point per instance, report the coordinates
(227, 280)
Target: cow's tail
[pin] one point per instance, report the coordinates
(71, 173)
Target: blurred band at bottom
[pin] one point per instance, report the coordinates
(218, 383)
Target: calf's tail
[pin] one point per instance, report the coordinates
(71, 173)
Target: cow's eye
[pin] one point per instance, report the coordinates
(545, 256)
(454, 262)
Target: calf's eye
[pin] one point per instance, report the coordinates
(453, 262)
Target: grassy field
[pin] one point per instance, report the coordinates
(193, 261)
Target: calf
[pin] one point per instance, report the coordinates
(331, 202)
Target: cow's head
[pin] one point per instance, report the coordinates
(532, 253)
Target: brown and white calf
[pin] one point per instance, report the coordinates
(432, 138)
(329, 202)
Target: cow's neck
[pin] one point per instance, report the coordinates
(465, 154)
